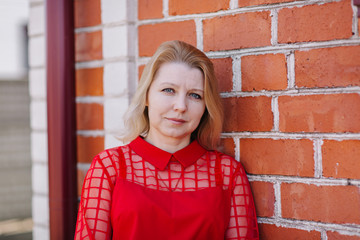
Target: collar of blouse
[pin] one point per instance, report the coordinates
(160, 158)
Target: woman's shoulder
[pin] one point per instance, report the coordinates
(108, 161)
(228, 163)
(111, 155)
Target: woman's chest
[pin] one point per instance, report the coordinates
(139, 212)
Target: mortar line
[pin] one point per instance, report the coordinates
(165, 9)
(83, 166)
(280, 48)
(275, 111)
(38, 99)
(39, 194)
(277, 207)
(236, 69)
(221, 13)
(101, 63)
(237, 148)
(294, 92)
(90, 99)
(39, 130)
(233, 4)
(284, 48)
(274, 26)
(350, 229)
(136, 49)
(36, 35)
(39, 162)
(37, 67)
(90, 133)
(281, 135)
(304, 180)
(199, 34)
(99, 27)
(355, 29)
(39, 224)
(36, 4)
(318, 158)
(323, 235)
(290, 63)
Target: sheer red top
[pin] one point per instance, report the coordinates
(139, 191)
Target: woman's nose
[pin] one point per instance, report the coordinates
(180, 103)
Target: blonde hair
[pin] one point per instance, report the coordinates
(136, 120)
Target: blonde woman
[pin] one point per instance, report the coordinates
(169, 182)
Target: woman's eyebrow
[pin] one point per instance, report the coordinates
(175, 85)
(197, 90)
(168, 83)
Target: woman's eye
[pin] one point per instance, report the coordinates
(195, 95)
(168, 90)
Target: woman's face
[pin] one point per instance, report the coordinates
(175, 102)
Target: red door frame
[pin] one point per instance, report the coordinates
(60, 67)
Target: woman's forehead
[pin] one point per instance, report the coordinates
(179, 73)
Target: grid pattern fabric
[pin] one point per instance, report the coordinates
(210, 170)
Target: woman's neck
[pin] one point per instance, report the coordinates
(170, 145)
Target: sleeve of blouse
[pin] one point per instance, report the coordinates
(243, 222)
(93, 221)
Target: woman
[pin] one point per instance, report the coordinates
(167, 183)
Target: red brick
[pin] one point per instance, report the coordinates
(263, 72)
(89, 82)
(80, 180)
(151, 36)
(331, 204)
(227, 146)
(271, 232)
(320, 113)
(182, 7)
(88, 46)
(264, 198)
(224, 74)
(338, 236)
(315, 22)
(245, 3)
(248, 114)
(341, 159)
(148, 9)
(288, 157)
(89, 116)
(87, 13)
(140, 70)
(328, 67)
(243, 30)
(88, 147)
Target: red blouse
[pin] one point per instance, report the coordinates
(139, 191)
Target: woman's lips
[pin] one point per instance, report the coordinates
(176, 120)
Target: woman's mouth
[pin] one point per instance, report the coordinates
(177, 121)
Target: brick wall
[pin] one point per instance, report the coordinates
(105, 63)
(289, 73)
